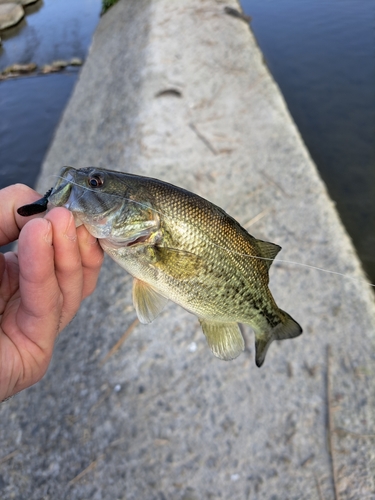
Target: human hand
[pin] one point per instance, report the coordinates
(41, 286)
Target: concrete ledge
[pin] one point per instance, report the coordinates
(178, 90)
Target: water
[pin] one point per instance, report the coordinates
(51, 30)
(30, 107)
(321, 53)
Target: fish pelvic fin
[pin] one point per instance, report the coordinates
(225, 339)
(148, 302)
(288, 328)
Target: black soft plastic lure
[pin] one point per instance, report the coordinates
(37, 207)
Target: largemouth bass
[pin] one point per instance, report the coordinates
(181, 247)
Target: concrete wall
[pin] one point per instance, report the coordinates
(179, 91)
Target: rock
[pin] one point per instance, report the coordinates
(49, 68)
(27, 68)
(20, 69)
(11, 1)
(59, 64)
(19, 2)
(10, 14)
(76, 61)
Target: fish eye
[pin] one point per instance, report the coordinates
(95, 181)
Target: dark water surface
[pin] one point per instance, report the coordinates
(30, 110)
(51, 30)
(30, 107)
(321, 54)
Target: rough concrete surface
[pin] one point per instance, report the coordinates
(179, 91)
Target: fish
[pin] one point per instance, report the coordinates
(181, 247)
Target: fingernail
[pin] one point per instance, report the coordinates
(70, 231)
(48, 235)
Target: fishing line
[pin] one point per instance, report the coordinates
(148, 207)
(122, 197)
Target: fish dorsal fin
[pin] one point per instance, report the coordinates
(268, 251)
(224, 339)
(147, 302)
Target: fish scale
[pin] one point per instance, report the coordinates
(181, 247)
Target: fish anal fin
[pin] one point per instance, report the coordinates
(147, 302)
(268, 251)
(224, 339)
(286, 329)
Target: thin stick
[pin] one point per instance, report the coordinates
(256, 218)
(8, 457)
(120, 341)
(94, 463)
(203, 138)
(85, 471)
(272, 181)
(331, 424)
(339, 430)
(318, 487)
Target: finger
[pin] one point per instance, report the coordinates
(12, 198)
(40, 301)
(68, 265)
(9, 278)
(31, 317)
(92, 258)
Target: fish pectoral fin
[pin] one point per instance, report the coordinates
(286, 329)
(179, 264)
(147, 302)
(268, 251)
(225, 339)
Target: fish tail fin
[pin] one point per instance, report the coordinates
(288, 328)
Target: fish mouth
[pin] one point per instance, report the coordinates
(62, 190)
(57, 196)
